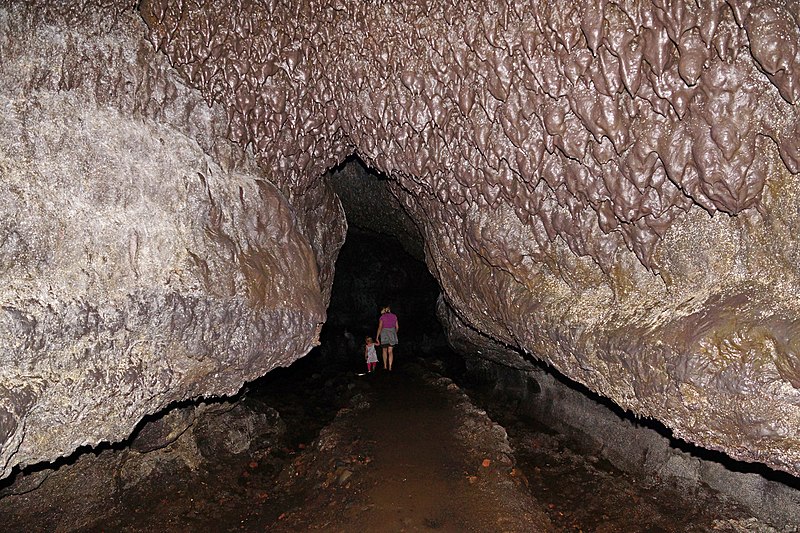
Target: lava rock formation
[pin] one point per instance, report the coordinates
(610, 187)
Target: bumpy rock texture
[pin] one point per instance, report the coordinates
(574, 170)
(144, 259)
(604, 185)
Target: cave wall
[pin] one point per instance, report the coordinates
(144, 259)
(593, 426)
(607, 186)
(370, 206)
(638, 446)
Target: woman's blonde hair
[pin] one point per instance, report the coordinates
(386, 310)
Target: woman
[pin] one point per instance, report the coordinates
(387, 335)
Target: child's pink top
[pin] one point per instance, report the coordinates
(389, 320)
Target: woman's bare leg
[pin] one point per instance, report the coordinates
(391, 357)
(383, 352)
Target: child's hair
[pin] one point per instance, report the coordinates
(369, 340)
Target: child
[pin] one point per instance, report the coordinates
(370, 354)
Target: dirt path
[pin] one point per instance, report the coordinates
(405, 451)
(418, 471)
(418, 464)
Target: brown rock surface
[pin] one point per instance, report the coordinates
(575, 172)
(605, 186)
(144, 259)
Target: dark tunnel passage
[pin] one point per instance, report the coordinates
(593, 211)
(566, 469)
(607, 196)
(288, 454)
(270, 457)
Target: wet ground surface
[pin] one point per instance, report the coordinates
(413, 471)
(400, 451)
(585, 493)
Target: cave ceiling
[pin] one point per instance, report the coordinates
(609, 187)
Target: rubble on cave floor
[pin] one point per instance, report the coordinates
(329, 450)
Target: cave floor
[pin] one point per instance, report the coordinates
(398, 465)
(383, 452)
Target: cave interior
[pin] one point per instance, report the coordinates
(587, 215)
